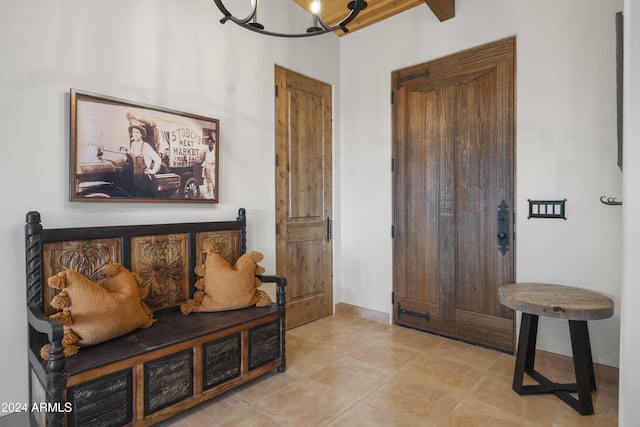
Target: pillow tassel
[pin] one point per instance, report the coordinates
(263, 298)
(148, 323)
(198, 296)
(200, 270)
(63, 317)
(70, 337)
(151, 320)
(70, 350)
(58, 281)
(61, 300)
(189, 307)
(44, 352)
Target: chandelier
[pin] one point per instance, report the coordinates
(317, 27)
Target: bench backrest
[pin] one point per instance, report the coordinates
(165, 255)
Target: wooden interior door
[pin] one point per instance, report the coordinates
(453, 122)
(303, 195)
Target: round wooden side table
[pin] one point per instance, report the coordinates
(576, 305)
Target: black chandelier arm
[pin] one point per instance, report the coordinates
(229, 17)
(340, 26)
(270, 33)
(355, 6)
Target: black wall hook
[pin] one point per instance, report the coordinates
(611, 201)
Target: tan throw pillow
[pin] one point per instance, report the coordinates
(94, 312)
(223, 287)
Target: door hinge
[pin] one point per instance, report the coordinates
(401, 311)
(277, 229)
(393, 298)
(393, 164)
(391, 97)
(329, 229)
(277, 160)
(276, 90)
(400, 79)
(393, 231)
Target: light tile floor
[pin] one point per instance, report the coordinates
(348, 371)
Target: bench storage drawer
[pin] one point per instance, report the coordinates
(104, 401)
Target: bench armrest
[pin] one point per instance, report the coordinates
(55, 331)
(280, 282)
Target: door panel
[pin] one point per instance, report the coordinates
(303, 195)
(305, 152)
(453, 150)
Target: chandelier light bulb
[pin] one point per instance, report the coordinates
(315, 7)
(254, 14)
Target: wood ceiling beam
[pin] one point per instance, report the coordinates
(443, 9)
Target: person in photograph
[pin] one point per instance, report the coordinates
(209, 169)
(146, 161)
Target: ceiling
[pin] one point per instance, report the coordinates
(333, 11)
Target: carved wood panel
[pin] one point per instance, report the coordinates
(228, 242)
(162, 261)
(88, 257)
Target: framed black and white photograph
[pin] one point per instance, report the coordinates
(129, 152)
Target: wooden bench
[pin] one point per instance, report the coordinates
(149, 374)
(576, 305)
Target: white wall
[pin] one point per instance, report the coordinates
(629, 410)
(168, 53)
(565, 146)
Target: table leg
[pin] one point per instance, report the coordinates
(525, 358)
(583, 364)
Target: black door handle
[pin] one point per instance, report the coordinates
(503, 227)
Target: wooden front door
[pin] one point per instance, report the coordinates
(303, 195)
(453, 144)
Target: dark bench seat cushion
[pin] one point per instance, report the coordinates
(170, 328)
